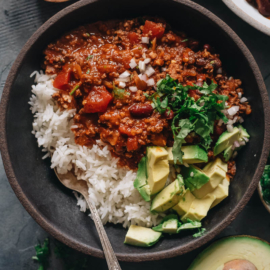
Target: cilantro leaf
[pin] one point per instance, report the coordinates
(186, 127)
(119, 93)
(265, 183)
(42, 253)
(207, 89)
(199, 115)
(200, 233)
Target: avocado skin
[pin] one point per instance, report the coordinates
(141, 236)
(140, 182)
(170, 219)
(196, 181)
(191, 154)
(231, 248)
(169, 196)
(229, 151)
(225, 140)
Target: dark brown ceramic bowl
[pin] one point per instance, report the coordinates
(52, 205)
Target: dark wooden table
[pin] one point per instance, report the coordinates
(19, 233)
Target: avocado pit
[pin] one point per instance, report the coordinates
(239, 265)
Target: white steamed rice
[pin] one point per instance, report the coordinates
(110, 187)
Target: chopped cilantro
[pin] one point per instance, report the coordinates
(74, 89)
(87, 34)
(42, 253)
(119, 93)
(88, 71)
(200, 233)
(89, 57)
(265, 183)
(212, 62)
(189, 115)
(71, 260)
(184, 40)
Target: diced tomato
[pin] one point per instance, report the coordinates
(133, 37)
(62, 80)
(192, 93)
(154, 30)
(132, 144)
(97, 100)
(190, 84)
(201, 77)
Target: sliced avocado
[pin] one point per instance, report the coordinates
(141, 236)
(169, 225)
(169, 196)
(194, 177)
(228, 153)
(199, 208)
(156, 153)
(244, 132)
(184, 204)
(140, 182)
(227, 250)
(216, 175)
(145, 193)
(217, 162)
(190, 225)
(226, 139)
(157, 168)
(221, 192)
(192, 154)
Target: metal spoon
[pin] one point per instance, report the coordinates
(70, 181)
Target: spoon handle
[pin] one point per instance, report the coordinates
(111, 259)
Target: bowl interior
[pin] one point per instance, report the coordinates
(57, 205)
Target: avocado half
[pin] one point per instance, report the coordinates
(248, 250)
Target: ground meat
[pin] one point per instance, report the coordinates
(231, 169)
(88, 62)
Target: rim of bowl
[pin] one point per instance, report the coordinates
(256, 23)
(265, 204)
(67, 239)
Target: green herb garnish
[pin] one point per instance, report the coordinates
(89, 57)
(200, 233)
(87, 34)
(189, 115)
(184, 40)
(119, 93)
(42, 253)
(265, 183)
(88, 71)
(74, 89)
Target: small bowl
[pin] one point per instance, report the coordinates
(266, 204)
(37, 187)
(249, 14)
